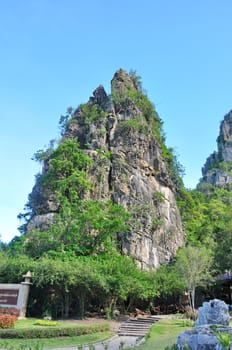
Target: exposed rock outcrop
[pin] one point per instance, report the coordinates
(218, 167)
(202, 338)
(213, 319)
(119, 134)
(213, 312)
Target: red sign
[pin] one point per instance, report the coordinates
(9, 296)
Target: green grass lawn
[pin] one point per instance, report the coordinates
(56, 342)
(15, 344)
(30, 323)
(164, 333)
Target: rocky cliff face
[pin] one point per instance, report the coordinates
(120, 135)
(218, 167)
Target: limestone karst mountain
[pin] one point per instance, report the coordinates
(122, 135)
(217, 170)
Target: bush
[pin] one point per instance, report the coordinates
(9, 311)
(190, 315)
(50, 332)
(175, 347)
(45, 323)
(7, 321)
(172, 347)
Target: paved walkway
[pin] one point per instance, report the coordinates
(113, 343)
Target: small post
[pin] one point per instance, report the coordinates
(25, 294)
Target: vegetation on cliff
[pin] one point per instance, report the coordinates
(108, 190)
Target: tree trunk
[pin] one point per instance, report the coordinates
(192, 302)
(82, 305)
(66, 305)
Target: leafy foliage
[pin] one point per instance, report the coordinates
(66, 175)
(42, 155)
(7, 321)
(107, 280)
(224, 339)
(136, 79)
(168, 281)
(65, 119)
(208, 222)
(133, 95)
(9, 311)
(193, 265)
(137, 124)
(175, 169)
(89, 227)
(91, 113)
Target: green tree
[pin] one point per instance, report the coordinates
(85, 228)
(64, 120)
(12, 268)
(175, 169)
(103, 281)
(67, 172)
(136, 79)
(207, 218)
(42, 155)
(193, 264)
(168, 282)
(123, 281)
(69, 279)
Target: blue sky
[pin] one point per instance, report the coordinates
(54, 53)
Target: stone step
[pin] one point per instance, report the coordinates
(138, 327)
(134, 334)
(148, 319)
(139, 324)
(126, 330)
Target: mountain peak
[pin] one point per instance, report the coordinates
(218, 167)
(121, 134)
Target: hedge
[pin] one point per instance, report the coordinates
(50, 332)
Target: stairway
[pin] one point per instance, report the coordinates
(136, 327)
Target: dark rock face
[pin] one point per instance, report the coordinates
(218, 167)
(129, 169)
(225, 138)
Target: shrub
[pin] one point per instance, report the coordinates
(190, 315)
(175, 347)
(45, 323)
(51, 332)
(224, 340)
(9, 311)
(7, 321)
(172, 347)
(135, 124)
(188, 323)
